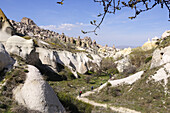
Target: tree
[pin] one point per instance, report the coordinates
(139, 6)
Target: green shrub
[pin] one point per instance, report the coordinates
(27, 37)
(148, 59)
(25, 70)
(74, 105)
(89, 56)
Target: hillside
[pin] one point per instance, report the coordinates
(42, 71)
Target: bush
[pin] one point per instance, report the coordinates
(148, 59)
(89, 56)
(73, 105)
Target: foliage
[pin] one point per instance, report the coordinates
(139, 58)
(13, 78)
(73, 105)
(89, 56)
(26, 37)
(148, 59)
(112, 6)
(107, 67)
(65, 72)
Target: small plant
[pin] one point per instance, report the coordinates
(26, 71)
(148, 59)
(27, 37)
(89, 56)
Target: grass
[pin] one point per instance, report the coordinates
(72, 87)
(141, 59)
(67, 92)
(13, 79)
(141, 96)
(74, 105)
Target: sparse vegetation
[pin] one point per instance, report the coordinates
(142, 96)
(13, 78)
(164, 42)
(26, 37)
(140, 59)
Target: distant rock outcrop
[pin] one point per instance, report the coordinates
(150, 44)
(6, 29)
(5, 60)
(36, 94)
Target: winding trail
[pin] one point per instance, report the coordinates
(113, 82)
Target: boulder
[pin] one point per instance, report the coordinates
(165, 34)
(160, 56)
(5, 60)
(122, 53)
(19, 46)
(124, 64)
(37, 94)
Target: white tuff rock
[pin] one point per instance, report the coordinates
(165, 34)
(76, 62)
(19, 46)
(123, 64)
(128, 80)
(160, 57)
(36, 94)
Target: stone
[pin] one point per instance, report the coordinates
(160, 56)
(124, 64)
(165, 34)
(149, 45)
(37, 94)
(5, 60)
(19, 46)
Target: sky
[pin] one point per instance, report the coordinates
(75, 15)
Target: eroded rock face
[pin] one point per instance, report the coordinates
(6, 29)
(160, 57)
(165, 34)
(36, 94)
(149, 45)
(5, 60)
(19, 46)
(124, 64)
(27, 21)
(76, 62)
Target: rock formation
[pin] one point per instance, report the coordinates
(19, 46)
(36, 94)
(5, 60)
(150, 44)
(6, 29)
(160, 56)
(165, 34)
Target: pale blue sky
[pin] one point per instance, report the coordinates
(75, 15)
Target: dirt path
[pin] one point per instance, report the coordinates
(117, 109)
